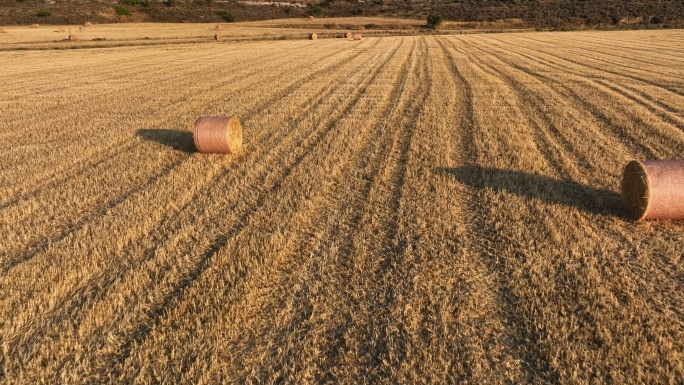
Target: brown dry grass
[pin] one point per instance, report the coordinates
(438, 209)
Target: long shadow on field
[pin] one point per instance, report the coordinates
(177, 139)
(565, 192)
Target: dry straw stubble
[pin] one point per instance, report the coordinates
(514, 280)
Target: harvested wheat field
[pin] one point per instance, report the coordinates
(429, 209)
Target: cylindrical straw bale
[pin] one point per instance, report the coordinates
(347, 35)
(361, 28)
(35, 25)
(357, 36)
(218, 134)
(4, 30)
(654, 189)
(311, 18)
(217, 37)
(218, 27)
(87, 24)
(313, 36)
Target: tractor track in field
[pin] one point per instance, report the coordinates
(372, 149)
(182, 101)
(314, 137)
(90, 213)
(522, 338)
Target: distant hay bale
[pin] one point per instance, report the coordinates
(362, 28)
(357, 36)
(313, 36)
(218, 134)
(4, 30)
(311, 18)
(72, 36)
(654, 189)
(87, 24)
(218, 27)
(61, 30)
(35, 25)
(217, 37)
(347, 35)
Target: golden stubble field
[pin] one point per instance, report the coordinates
(432, 209)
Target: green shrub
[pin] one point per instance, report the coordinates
(43, 13)
(122, 11)
(227, 16)
(433, 21)
(144, 3)
(315, 10)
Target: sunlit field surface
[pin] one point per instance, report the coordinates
(426, 209)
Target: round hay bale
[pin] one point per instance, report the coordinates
(357, 36)
(87, 24)
(347, 35)
(362, 28)
(218, 27)
(218, 134)
(311, 18)
(313, 36)
(217, 37)
(72, 37)
(4, 30)
(35, 25)
(654, 189)
(61, 29)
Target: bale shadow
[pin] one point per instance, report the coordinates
(177, 139)
(550, 190)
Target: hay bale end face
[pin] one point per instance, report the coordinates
(357, 36)
(217, 37)
(347, 35)
(218, 27)
(313, 36)
(311, 18)
(218, 134)
(87, 24)
(654, 189)
(362, 28)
